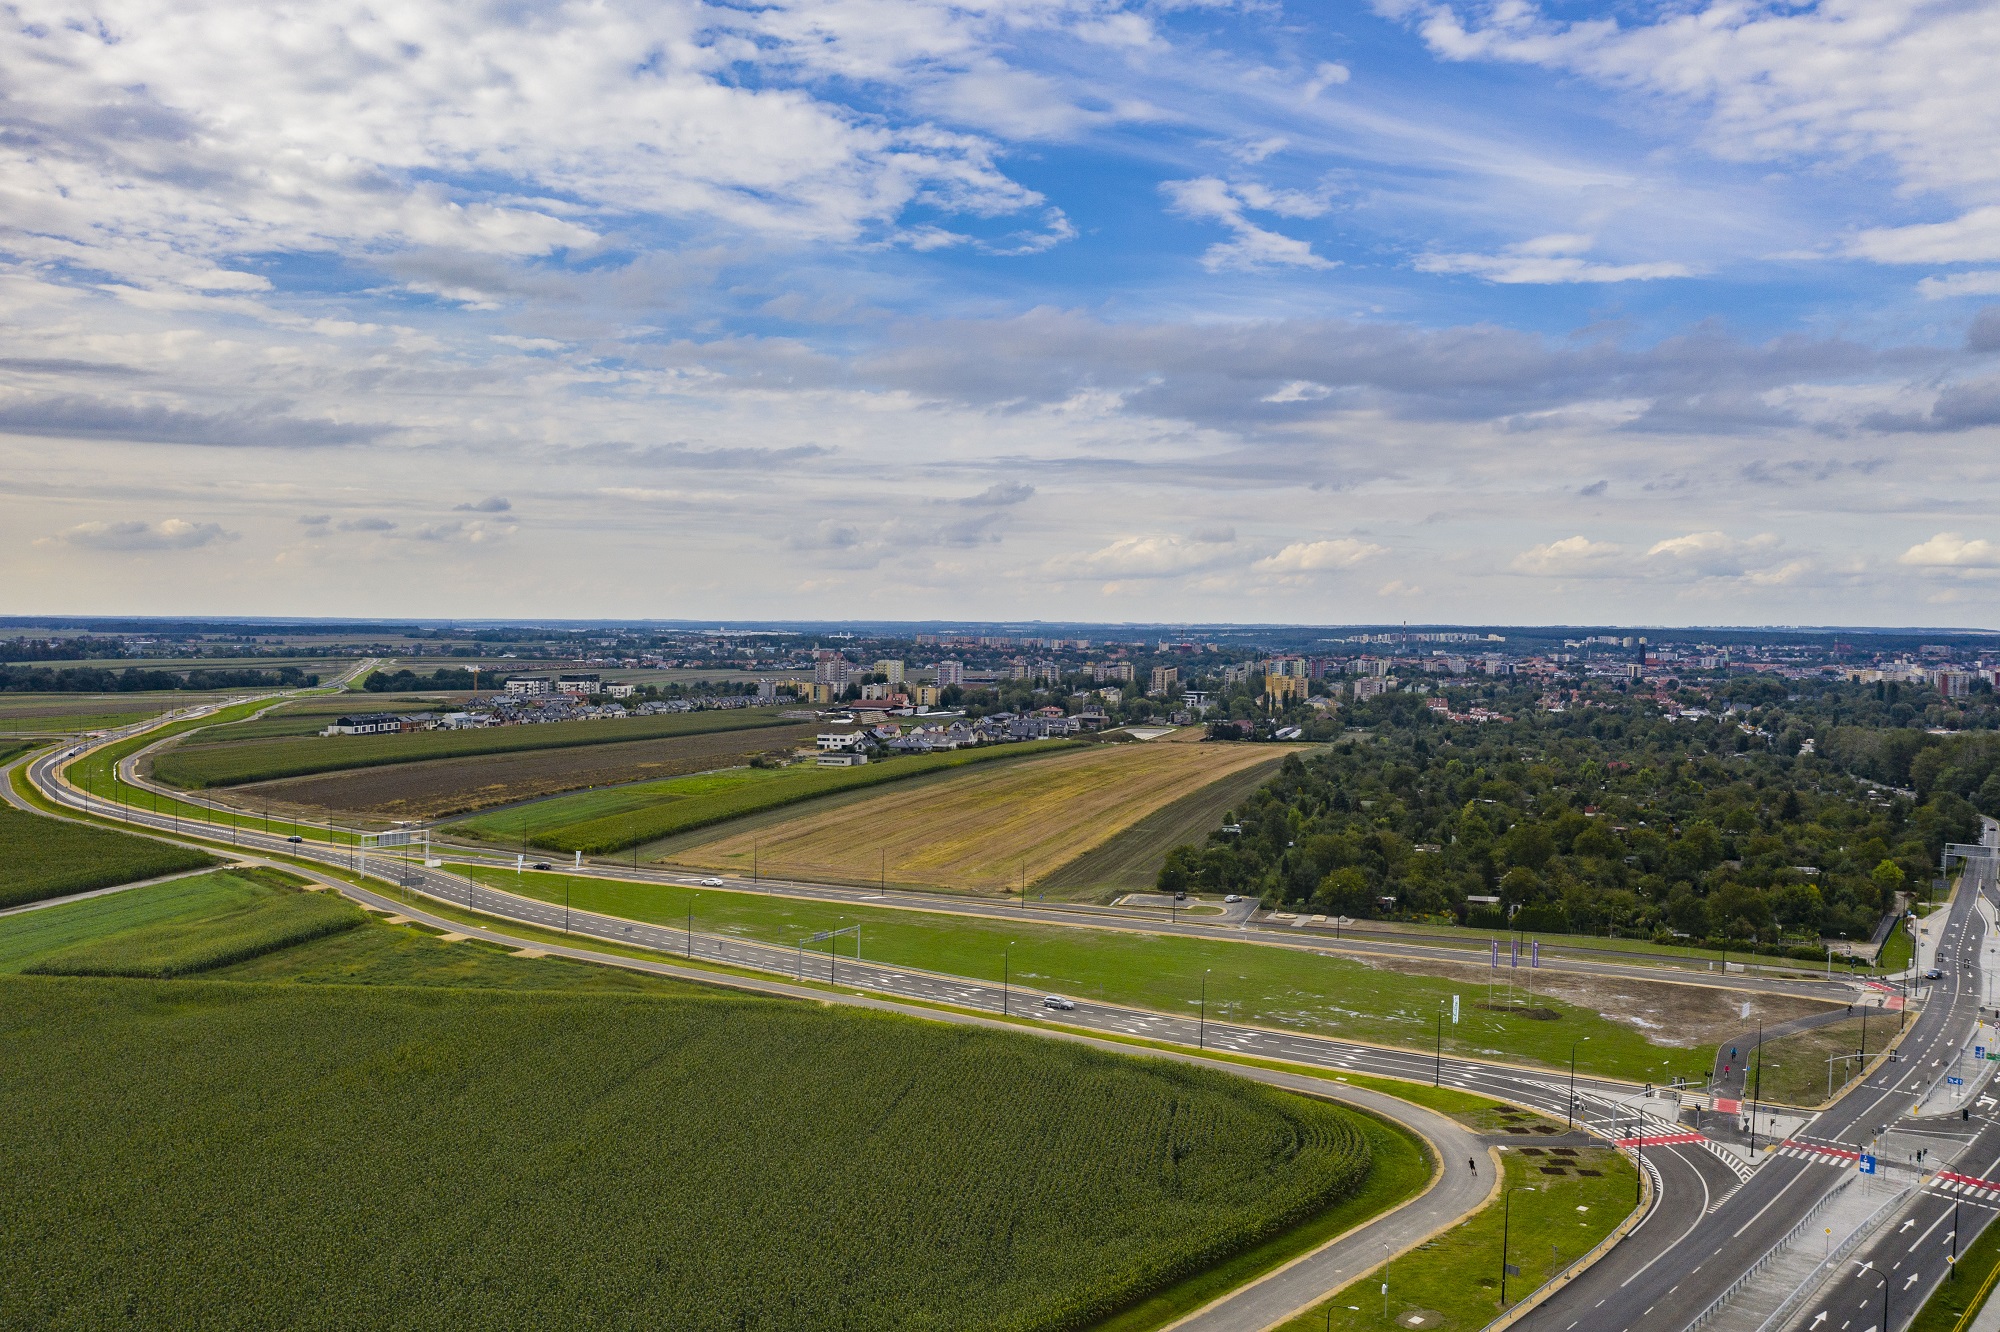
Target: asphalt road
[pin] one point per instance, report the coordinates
(1669, 1293)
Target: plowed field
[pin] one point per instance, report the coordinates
(454, 786)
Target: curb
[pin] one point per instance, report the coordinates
(1544, 1292)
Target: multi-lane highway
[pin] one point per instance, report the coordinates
(1706, 1225)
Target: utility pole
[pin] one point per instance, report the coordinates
(1756, 1088)
(1006, 974)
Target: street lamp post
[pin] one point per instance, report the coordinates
(1506, 1221)
(1006, 974)
(1437, 1056)
(1201, 1032)
(1572, 1078)
(1756, 1087)
(690, 926)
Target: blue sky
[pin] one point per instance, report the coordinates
(1672, 312)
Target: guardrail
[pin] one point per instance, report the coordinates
(1818, 1274)
(1771, 1255)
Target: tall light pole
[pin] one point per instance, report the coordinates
(1201, 1032)
(1506, 1219)
(1756, 1087)
(1572, 1078)
(690, 929)
(1437, 1055)
(1006, 974)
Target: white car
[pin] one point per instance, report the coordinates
(711, 883)
(1057, 1002)
(1234, 897)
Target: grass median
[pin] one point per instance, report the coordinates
(1278, 987)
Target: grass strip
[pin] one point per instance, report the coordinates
(1553, 1220)
(165, 949)
(1290, 988)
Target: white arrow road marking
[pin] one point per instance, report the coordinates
(1912, 1281)
(1906, 1225)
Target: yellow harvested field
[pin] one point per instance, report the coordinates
(982, 829)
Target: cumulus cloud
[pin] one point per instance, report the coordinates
(1318, 556)
(1546, 259)
(1568, 557)
(1157, 556)
(491, 504)
(1211, 199)
(1950, 550)
(370, 524)
(166, 534)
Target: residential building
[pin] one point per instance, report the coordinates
(928, 696)
(833, 741)
(1163, 680)
(890, 668)
(528, 685)
(620, 690)
(577, 684)
(846, 758)
(1118, 671)
(950, 673)
(832, 671)
(373, 723)
(1370, 686)
(1280, 689)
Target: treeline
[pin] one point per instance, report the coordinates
(103, 680)
(1606, 816)
(445, 677)
(60, 649)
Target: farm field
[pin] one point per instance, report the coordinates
(199, 763)
(1457, 1275)
(441, 787)
(312, 714)
(1294, 988)
(262, 1177)
(63, 714)
(604, 821)
(985, 830)
(227, 916)
(43, 857)
(1130, 860)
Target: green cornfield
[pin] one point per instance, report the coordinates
(228, 1155)
(275, 919)
(217, 758)
(600, 822)
(43, 857)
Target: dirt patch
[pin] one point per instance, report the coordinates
(438, 787)
(1535, 1014)
(1669, 1014)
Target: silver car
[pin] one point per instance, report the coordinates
(1057, 1002)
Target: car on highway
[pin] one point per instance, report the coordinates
(711, 883)
(543, 864)
(295, 838)
(1057, 1002)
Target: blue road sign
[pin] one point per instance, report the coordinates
(1867, 1164)
(1954, 1082)
(1979, 1052)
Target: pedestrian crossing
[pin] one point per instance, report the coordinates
(1842, 1157)
(1661, 1140)
(1955, 1185)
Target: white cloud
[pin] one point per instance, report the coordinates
(1972, 237)
(1396, 587)
(1211, 199)
(1984, 283)
(1317, 556)
(1715, 553)
(1161, 556)
(167, 534)
(1569, 556)
(1950, 550)
(1907, 81)
(1547, 259)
